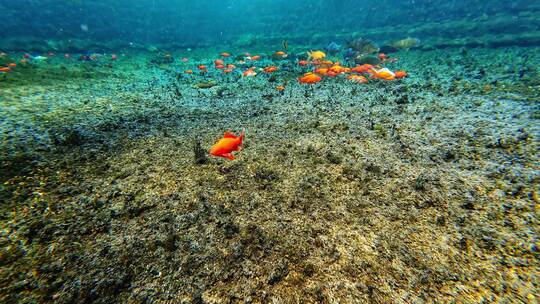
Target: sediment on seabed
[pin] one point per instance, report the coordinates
(422, 189)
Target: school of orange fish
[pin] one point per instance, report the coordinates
(321, 68)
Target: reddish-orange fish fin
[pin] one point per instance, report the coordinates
(229, 156)
(229, 135)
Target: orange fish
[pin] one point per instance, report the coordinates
(249, 73)
(321, 71)
(310, 78)
(256, 57)
(270, 69)
(218, 62)
(231, 66)
(227, 71)
(331, 74)
(220, 66)
(357, 78)
(226, 145)
(12, 65)
(362, 68)
(188, 71)
(281, 54)
(383, 73)
(202, 67)
(280, 88)
(339, 69)
(5, 70)
(400, 74)
(23, 61)
(225, 55)
(382, 56)
(303, 63)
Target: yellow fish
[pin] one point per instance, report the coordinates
(316, 55)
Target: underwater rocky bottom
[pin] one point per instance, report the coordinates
(411, 191)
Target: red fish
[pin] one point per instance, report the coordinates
(400, 74)
(218, 62)
(303, 63)
(226, 145)
(225, 55)
(114, 57)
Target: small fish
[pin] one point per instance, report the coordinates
(185, 59)
(23, 61)
(331, 74)
(231, 66)
(383, 73)
(255, 58)
(114, 57)
(362, 68)
(218, 62)
(249, 73)
(220, 66)
(310, 78)
(303, 62)
(339, 69)
(382, 56)
(227, 71)
(39, 58)
(405, 44)
(400, 74)
(357, 78)
(316, 55)
(26, 55)
(226, 145)
(67, 56)
(328, 62)
(5, 70)
(270, 69)
(280, 88)
(12, 65)
(333, 48)
(225, 55)
(321, 71)
(188, 71)
(202, 67)
(281, 54)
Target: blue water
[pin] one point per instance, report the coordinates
(213, 22)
